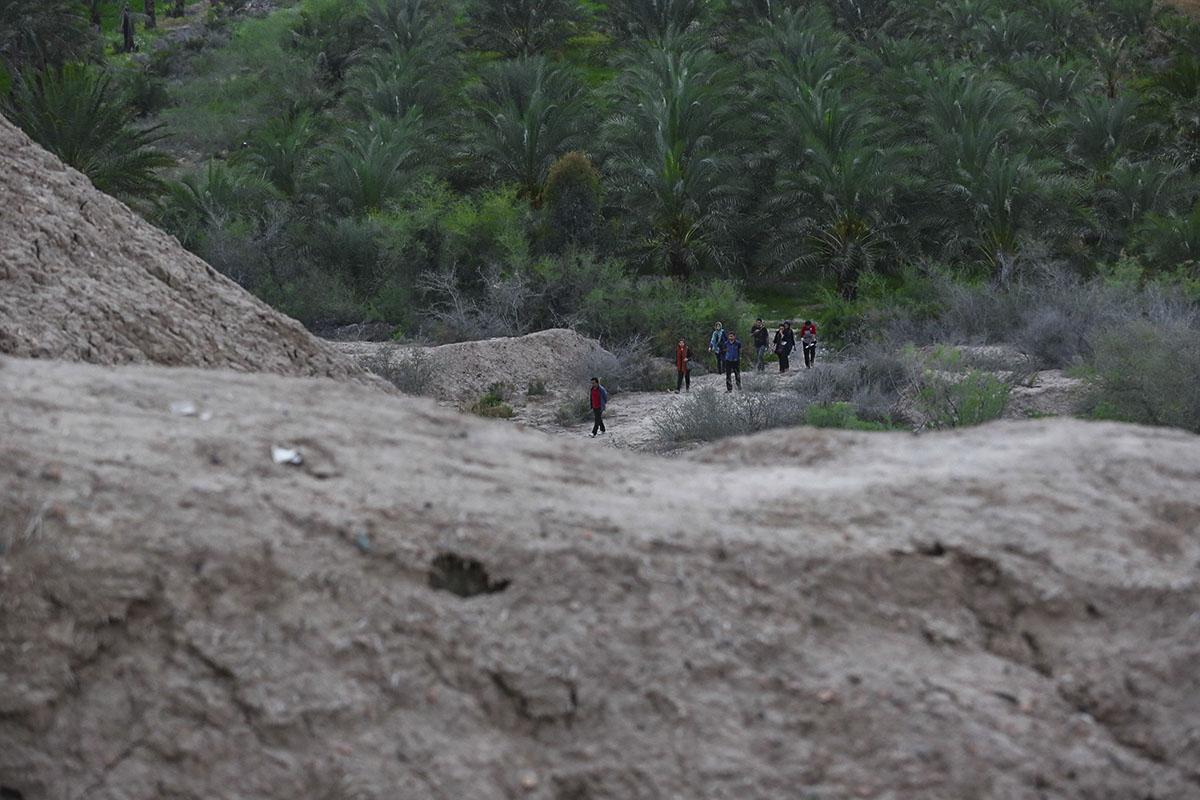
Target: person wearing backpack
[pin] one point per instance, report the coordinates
(599, 397)
(808, 338)
(733, 367)
(683, 366)
(716, 346)
(759, 335)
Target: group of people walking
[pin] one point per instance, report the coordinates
(727, 350)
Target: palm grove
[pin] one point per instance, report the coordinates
(918, 171)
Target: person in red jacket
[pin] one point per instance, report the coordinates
(599, 402)
(808, 337)
(683, 366)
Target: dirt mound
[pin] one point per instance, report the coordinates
(431, 605)
(463, 371)
(84, 278)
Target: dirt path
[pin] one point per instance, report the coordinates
(552, 358)
(632, 417)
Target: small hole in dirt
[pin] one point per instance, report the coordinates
(8, 793)
(933, 549)
(466, 577)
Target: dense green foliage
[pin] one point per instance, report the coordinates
(481, 167)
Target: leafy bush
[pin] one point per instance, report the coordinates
(1148, 374)
(839, 415)
(950, 402)
(492, 404)
(572, 204)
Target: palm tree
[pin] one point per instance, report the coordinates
(395, 84)
(408, 25)
(1065, 20)
(1133, 190)
(73, 113)
(1049, 84)
(800, 46)
(35, 36)
(1171, 240)
(1176, 98)
(524, 27)
(1098, 131)
(954, 22)
(528, 112)
(409, 59)
(372, 164)
(862, 19)
(1009, 36)
(977, 161)
(836, 194)
(673, 164)
(202, 202)
(282, 150)
(655, 20)
(966, 119)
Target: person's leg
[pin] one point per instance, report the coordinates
(761, 365)
(679, 382)
(596, 416)
(600, 417)
(737, 372)
(687, 380)
(729, 376)
(782, 361)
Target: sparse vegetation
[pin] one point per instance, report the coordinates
(575, 410)
(492, 403)
(411, 370)
(708, 414)
(1146, 373)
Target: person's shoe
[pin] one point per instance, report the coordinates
(592, 435)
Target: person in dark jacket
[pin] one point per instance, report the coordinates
(758, 334)
(785, 343)
(716, 346)
(599, 403)
(683, 366)
(733, 366)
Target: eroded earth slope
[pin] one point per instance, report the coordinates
(436, 606)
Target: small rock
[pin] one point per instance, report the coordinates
(529, 780)
(363, 542)
(285, 455)
(184, 408)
